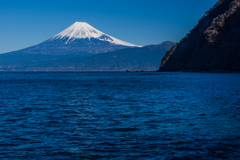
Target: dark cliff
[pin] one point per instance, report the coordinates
(213, 44)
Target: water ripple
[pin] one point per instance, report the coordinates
(119, 115)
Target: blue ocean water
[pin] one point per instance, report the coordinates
(118, 115)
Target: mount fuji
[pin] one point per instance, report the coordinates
(79, 39)
(81, 47)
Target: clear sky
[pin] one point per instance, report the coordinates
(24, 23)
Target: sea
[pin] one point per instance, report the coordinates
(119, 115)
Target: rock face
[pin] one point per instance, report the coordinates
(213, 44)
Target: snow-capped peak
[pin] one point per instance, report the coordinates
(82, 30)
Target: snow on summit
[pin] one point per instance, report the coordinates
(82, 30)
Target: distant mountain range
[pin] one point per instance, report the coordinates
(213, 45)
(144, 58)
(84, 48)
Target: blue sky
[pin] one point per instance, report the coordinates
(24, 23)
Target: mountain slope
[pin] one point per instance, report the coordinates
(80, 39)
(144, 58)
(213, 45)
